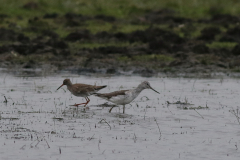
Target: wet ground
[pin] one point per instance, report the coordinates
(192, 118)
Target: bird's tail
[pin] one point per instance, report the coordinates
(103, 96)
(97, 94)
(100, 95)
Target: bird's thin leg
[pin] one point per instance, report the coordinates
(123, 109)
(76, 105)
(110, 110)
(88, 100)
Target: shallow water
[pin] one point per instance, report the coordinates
(38, 123)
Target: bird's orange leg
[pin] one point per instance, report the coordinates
(87, 99)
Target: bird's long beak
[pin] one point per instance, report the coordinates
(60, 86)
(154, 90)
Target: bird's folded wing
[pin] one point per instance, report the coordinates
(112, 94)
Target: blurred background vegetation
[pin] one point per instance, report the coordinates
(119, 8)
(138, 30)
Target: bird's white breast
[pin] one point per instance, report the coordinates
(124, 99)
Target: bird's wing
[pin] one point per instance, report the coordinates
(112, 94)
(86, 89)
(79, 88)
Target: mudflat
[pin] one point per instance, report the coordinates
(115, 37)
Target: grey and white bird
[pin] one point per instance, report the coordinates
(124, 97)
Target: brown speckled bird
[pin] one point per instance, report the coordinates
(81, 90)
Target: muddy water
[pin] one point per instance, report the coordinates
(38, 123)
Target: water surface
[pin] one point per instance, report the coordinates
(38, 123)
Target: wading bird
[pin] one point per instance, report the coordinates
(124, 97)
(81, 90)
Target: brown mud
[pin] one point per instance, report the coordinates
(148, 51)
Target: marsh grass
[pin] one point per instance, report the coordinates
(236, 113)
(207, 59)
(20, 59)
(105, 122)
(125, 12)
(229, 45)
(154, 57)
(56, 118)
(91, 45)
(199, 107)
(147, 58)
(121, 8)
(9, 118)
(160, 133)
